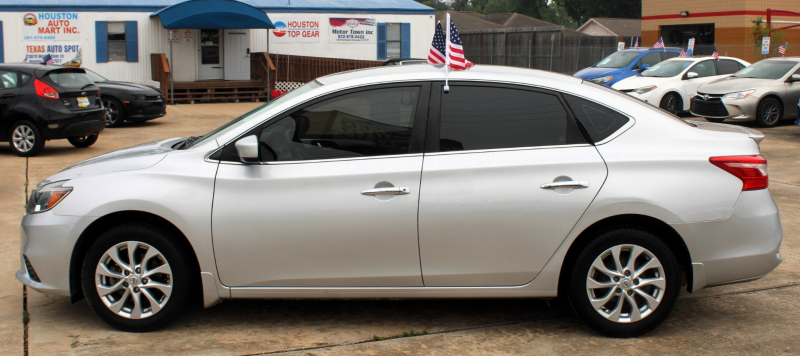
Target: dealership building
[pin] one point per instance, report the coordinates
(208, 40)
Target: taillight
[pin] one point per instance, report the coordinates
(752, 170)
(44, 90)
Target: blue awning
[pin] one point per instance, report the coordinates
(213, 14)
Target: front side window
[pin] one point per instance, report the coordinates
(117, 42)
(650, 59)
(477, 117)
(704, 69)
(363, 124)
(8, 79)
(727, 66)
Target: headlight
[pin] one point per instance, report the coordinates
(46, 197)
(605, 79)
(139, 97)
(643, 90)
(739, 95)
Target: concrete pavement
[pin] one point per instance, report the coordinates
(757, 317)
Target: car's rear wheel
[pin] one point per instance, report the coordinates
(135, 278)
(672, 103)
(83, 141)
(769, 112)
(625, 282)
(25, 139)
(114, 113)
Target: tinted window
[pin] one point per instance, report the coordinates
(369, 123)
(69, 79)
(704, 69)
(474, 118)
(767, 69)
(668, 55)
(598, 120)
(651, 59)
(727, 66)
(8, 79)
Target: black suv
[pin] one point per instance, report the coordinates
(46, 102)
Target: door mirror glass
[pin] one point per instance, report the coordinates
(794, 78)
(247, 148)
(691, 75)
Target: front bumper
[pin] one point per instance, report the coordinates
(743, 247)
(143, 110)
(735, 109)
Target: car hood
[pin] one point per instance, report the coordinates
(638, 82)
(127, 159)
(733, 84)
(127, 86)
(592, 72)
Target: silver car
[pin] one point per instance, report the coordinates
(765, 92)
(377, 183)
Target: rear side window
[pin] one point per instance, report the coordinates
(8, 80)
(69, 79)
(727, 66)
(598, 120)
(668, 55)
(478, 117)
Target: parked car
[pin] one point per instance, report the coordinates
(757, 92)
(125, 101)
(672, 83)
(534, 184)
(40, 102)
(404, 61)
(626, 63)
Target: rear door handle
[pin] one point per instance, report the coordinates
(574, 184)
(7, 96)
(387, 191)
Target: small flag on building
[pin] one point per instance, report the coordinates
(715, 54)
(48, 59)
(637, 42)
(782, 49)
(683, 53)
(455, 51)
(437, 52)
(660, 44)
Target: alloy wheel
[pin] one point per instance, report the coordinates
(23, 138)
(770, 113)
(626, 283)
(672, 105)
(111, 112)
(134, 280)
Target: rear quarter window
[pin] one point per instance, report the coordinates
(69, 79)
(599, 121)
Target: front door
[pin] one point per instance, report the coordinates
(706, 73)
(211, 59)
(237, 54)
(792, 99)
(10, 83)
(508, 177)
(333, 201)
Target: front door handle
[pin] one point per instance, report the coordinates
(7, 96)
(574, 184)
(387, 191)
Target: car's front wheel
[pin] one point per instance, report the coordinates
(769, 112)
(672, 103)
(625, 282)
(25, 139)
(83, 141)
(135, 278)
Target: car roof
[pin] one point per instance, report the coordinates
(479, 72)
(645, 49)
(700, 58)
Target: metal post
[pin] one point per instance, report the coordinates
(269, 91)
(287, 67)
(552, 41)
(577, 50)
(530, 48)
(171, 72)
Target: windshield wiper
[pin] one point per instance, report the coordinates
(187, 142)
(87, 85)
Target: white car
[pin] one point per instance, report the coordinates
(671, 84)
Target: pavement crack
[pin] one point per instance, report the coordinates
(757, 290)
(25, 316)
(792, 184)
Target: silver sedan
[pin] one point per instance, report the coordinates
(765, 92)
(380, 183)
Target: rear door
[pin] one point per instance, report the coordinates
(506, 176)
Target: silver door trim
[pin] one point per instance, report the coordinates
(507, 149)
(207, 159)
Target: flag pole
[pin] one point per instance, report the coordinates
(447, 54)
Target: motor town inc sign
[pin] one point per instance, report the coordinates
(352, 30)
(294, 30)
(51, 26)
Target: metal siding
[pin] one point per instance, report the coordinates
(405, 44)
(101, 41)
(132, 37)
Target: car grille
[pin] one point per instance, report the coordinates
(712, 107)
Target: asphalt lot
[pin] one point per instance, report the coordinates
(759, 317)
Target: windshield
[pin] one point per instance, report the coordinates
(667, 69)
(766, 70)
(617, 60)
(97, 78)
(241, 120)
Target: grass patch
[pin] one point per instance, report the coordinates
(25, 317)
(409, 333)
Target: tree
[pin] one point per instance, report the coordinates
(555, 13)
(583, 10)
(532, 8)
(758, 32)
(437, 5)
(460, 5)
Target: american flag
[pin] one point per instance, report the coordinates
(455, 51)
(782, 49)
(683, 53)
(637, 42)
(715, 54)
(436, 54)
(48, 59)
(660, 43)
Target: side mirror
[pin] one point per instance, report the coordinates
(691, 75)
(247, 148)
(644, 67)
(794, 78)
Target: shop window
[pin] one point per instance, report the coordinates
(394, 40)
(116, 41)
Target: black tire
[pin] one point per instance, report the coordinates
(672, 103)
(25, 139)
(717, 121)
(579, 277)
(83, 141)
(115, 113)
(177, 261)
(769, 112)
